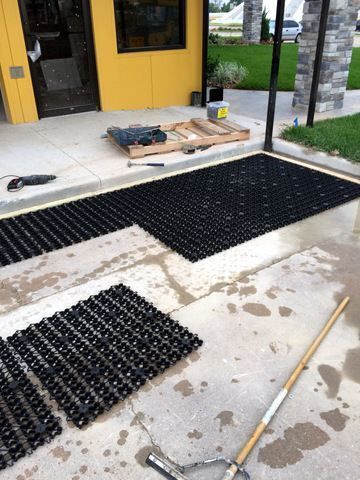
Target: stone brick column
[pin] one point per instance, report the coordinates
(252, 21)
(336, 58)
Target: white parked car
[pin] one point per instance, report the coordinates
(291, 30)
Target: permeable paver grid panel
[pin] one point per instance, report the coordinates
(26, 422)
(96, 353)
(197, 213)
(207, 211)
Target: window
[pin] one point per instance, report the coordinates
(150, 24)
(293, 24)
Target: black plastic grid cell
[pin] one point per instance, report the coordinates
(197, 214)
(96, 353)
(26, 422)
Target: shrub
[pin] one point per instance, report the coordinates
(232, 40)
(228, 74)
(265, 27)
(212, 65)
(215, 39)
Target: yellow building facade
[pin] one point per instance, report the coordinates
(68, 56)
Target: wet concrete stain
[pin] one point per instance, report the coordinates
(244, 280)
(144, 452)
(231, 307)
(273, 347)
(246, 291)
(122, 437)
(271, 292)
(204, 384)
(269, 431)
(279, 454)
(84, 451)
(289, 450)
(61, 453)
(138, 419)
(28, 473)
(345, 405)
(235, 380)
(352, 364)
(185, 388)
(219, 449)
(226, 419)
(332, 378)
(123, 464)
(285, 311)
(107, 453)
(231, 289)
(257, 309)
(83, 469)
(335, 419)
(195, 434)
(35, 284)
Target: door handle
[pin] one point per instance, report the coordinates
(36, 53)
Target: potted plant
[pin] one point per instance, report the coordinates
(225, 75)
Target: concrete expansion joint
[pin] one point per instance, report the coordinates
(156, 446)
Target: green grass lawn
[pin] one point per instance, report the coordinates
(257, 59)
(335, 134)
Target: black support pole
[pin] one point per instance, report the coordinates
(205, 50)
(274, 75)
(317, 62)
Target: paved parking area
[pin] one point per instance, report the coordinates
(257, 307)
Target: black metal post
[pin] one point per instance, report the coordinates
(274, 74)
(205, 50)
(317, 62)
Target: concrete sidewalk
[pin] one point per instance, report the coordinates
(71, 148)
(257, 306)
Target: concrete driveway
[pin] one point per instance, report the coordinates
(257, 307)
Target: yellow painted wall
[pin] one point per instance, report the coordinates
(18, 94)
(146, 79)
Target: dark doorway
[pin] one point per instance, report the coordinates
(2, 110)
(59, 42)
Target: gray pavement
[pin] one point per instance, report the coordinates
(253, 104)
(257, 307)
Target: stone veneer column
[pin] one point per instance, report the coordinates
(252, 21)
(336, 57)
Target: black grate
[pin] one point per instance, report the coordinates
(26, 422)
(197, 213)
(96, 353)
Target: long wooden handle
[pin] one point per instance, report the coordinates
(232, 470)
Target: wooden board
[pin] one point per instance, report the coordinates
(197, 132)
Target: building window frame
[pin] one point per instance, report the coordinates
(182, 35)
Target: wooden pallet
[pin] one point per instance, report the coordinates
(197, 132)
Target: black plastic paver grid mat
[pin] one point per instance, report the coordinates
(96, 353)
(26, 422)
(197, 213)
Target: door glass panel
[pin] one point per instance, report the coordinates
(55, 33)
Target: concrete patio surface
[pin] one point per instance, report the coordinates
(257, 307)
(71, 148)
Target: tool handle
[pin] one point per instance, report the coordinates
(37, 179)
(155, 164)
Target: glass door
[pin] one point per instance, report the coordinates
(61, 56)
